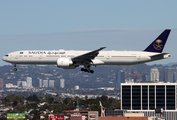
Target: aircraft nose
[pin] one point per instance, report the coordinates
(4, 58)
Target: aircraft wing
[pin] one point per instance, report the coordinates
(87, 57)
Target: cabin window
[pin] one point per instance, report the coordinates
(125, 56)
(6, 55)
(25, 55)
(20, 55)
(52, 55)
(100, 56)
(30, 56)
(63, 55)
(70, 55)
(115, 56)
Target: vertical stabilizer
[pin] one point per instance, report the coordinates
(159, 43)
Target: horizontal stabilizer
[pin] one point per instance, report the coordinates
(160, 56)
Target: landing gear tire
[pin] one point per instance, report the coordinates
(86, 70)
(91, 71)
(15, 69)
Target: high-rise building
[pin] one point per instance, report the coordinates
(1, 83)
(62, 83)
(154, 74)
(120, 78)
(51, 83)
(148, 96)
(40, 83)
(169, 74)
(29, 81)
(45, 83)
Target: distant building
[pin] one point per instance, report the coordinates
(175, 74)
(137, 77)
(129, 80)
(45, 83)
(1, 83)
(76, 87)
(40, 83)
(169, 74)
(154, 74)
(29, 81)
(21, 84)
(146, 78)
(62, 83)
(10, 85)
(51, 83)
(24, 83)
(120, 78)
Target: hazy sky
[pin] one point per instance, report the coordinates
(86, 24)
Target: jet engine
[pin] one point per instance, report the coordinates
(65, 63)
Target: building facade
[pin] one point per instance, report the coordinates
(1, 83)
(120, 78)
(51, 83)
(29, 81)
(169, 74)
(45, 83)
(40, 83)
(62, 83)
(154, 74)
(148, 96)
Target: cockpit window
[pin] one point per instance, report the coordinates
(7, 55)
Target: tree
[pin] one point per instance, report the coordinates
(15, 103)
(104, 97)
(33, 98)
(67, 101)
(86, 97)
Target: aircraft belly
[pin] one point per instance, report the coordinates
(122, 62)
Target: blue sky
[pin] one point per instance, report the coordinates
(81, 24)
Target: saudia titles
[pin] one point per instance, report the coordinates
(44, 52)
(158, 44)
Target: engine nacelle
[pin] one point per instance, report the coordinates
(65, 63)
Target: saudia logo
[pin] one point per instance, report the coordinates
(158, 44)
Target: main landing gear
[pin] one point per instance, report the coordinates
(15, 69)
(87, 69)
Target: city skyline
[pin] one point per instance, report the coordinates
(112, 78)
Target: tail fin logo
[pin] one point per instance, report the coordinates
(158, 44)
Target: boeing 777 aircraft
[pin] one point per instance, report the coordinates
(72, 59)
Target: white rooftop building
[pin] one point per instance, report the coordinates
(29, 81)
(62, 83)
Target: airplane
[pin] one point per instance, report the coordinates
(70, 59)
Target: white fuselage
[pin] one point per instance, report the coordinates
(43, 57)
